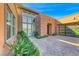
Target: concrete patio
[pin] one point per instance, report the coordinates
(57, 46)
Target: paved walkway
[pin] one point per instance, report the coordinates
(57, 46)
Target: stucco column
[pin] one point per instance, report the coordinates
(1, 28)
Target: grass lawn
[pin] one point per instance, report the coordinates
(76, 31)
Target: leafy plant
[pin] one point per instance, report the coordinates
(38, 36)
(23, 46)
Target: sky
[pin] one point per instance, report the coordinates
(55, 10)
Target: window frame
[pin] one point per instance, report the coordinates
(27, 16)
(12, 25)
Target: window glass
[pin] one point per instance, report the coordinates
(24, 19)
(24, 26)
(29, 29)
(29, 20)
(29, 26)
(8, 17)
(10, 26)
(8, 31)
(29, 32)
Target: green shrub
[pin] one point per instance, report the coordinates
(23, 46)
(38, 36)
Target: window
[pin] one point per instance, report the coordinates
(27, 23)
(9, 20)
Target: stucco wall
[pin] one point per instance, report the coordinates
(19, 18)
(44, 20)
(1, 27)
(70, 18)
(3, 47)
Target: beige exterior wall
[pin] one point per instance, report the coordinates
(1, 27)
(43, 22)
(3, 47)
(69, 19)
(19, 10)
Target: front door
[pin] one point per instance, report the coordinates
(49, 29)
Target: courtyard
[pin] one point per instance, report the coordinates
(57, 46)
(18, 17)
